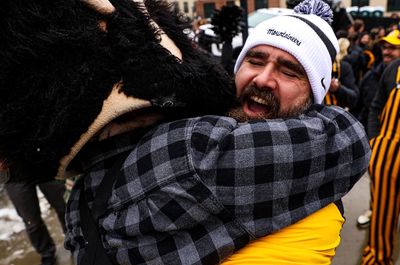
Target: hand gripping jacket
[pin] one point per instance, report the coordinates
(66, 70)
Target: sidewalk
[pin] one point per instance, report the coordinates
(354, 239)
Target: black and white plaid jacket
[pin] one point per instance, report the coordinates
(196, 190)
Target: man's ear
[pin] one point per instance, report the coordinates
(101, 6)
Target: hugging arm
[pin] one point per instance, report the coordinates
(197, 190)
(270, 174)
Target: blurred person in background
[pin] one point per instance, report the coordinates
(367, 45)
(384, 168)
(343, 90)
(369, 85)
(355, 56)
(23, 195)
(357, 26)
(377, 34)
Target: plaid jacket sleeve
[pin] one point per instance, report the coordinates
(272, 174)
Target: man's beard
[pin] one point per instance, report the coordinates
(272, 106)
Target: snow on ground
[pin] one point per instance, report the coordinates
(11, 223)
(15, 247)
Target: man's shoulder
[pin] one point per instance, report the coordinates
(217, 128)
(187, 134)
(215, 120)
(327, 112)
(215, 123)
(345, 64)
(390, 74)
(188, 125)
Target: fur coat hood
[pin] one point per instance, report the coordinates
(60, 69)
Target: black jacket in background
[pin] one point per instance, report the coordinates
(386, 84)
(348, 92)
(368, 87)
(357, 60)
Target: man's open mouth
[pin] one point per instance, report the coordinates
(258, 104)
(256, 107)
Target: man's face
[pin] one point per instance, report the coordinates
(390, 52)
(271, 83)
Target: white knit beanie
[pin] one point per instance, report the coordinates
(306, 35)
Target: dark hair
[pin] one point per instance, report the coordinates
(341, 33)
(353, 37)
(358, 25)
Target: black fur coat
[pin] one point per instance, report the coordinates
(57, 67)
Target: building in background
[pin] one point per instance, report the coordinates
(390, 6)
(186, 6)
(205, 8)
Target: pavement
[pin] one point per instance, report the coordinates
(354, 239)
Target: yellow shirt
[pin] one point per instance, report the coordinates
(312, 240)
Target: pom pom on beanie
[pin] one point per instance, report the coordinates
(315, 7)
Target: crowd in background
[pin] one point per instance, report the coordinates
(370, 91)
(366, 54)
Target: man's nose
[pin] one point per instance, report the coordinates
(267, 77)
